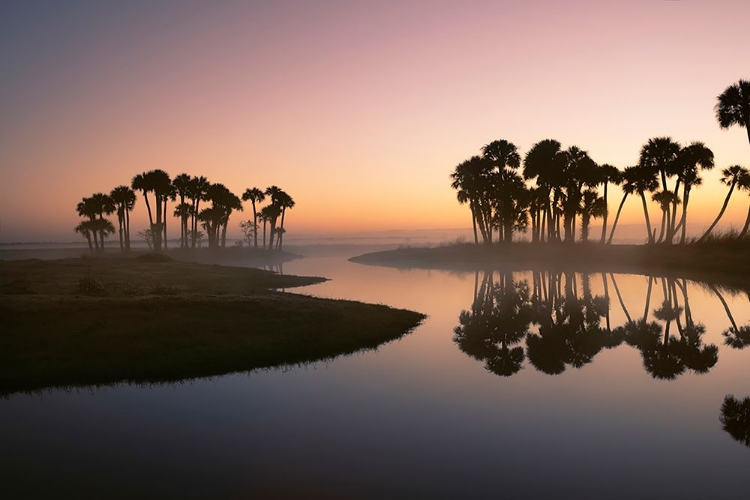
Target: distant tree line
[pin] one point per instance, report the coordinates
(552, 188)
(189, 195)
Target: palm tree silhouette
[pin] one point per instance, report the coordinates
(541, 164)
(254, 195)
(660, 156)
(578, 169)
(181, 185)
(607, 174)
(224, 202)
(124, 199)
(643, 181)
(273, 193)
(87, 208)
(592, 206)
(84, 229)
(744, 184)
(471, 179)
(143, 183)
(628, 181)
(197, 192)
(730, 177)
(159, 183)
(733, 106)
(183, 211)
(284, 201)
(692, 157)
(735, 418)
(666, 200)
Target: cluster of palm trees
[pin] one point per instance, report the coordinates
(497, 184)
(158, 189)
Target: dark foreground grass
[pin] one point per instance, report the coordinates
(725, 261)
(69, 339)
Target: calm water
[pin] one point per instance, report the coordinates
(464, 407)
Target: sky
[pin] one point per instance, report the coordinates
(359, 110)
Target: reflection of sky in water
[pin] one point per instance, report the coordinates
(416, 417)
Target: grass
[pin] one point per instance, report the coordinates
(80, 322)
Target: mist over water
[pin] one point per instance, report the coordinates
(417, 417)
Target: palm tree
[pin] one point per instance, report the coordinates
(124, 199)
(665, 199)
(692, 157)
(104, 227)
(84, 229)
(273, 193)
(254, 195)
(181, 185)
(471, 180)
(269, 213)
(733, 106)
(159, 183)
(284, 201)
(644, 181)
(212, 219)
(144, 183)
(744, 184)
(223, 201)
(629, 178)
(607, 174)
(730, 177)
(541, 163)
(87, 208)
(592, 206)
(197, 192)
(578, 170)
(661, 156)
(183, 212)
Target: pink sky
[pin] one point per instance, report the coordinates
(359, 111)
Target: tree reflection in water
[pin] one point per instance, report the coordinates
(735, 418)
(570, 330)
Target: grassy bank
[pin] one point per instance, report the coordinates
(727, 261)
(99, 321)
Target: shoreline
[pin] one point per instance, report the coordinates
(728, 263)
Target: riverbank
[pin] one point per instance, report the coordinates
(99, 321)
(728, 261)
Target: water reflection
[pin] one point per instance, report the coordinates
(557, 322)
(735, 418)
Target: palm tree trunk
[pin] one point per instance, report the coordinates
(127, 229)
(723, 208)
(474, 221)
(726, 307)
(255, 225)
(264, 233)
(683, 218)
(88, 239)
(617, 218)
(121, 223)
(281, 234)
(747, 225)
(196, 206)
(606, 298)
(619, 298)
(165, 222)
(648, 298)
(648, 221)
(606, 214)
(664, 218)
(585, 228)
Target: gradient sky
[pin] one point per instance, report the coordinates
(359, 110)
